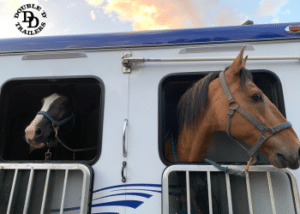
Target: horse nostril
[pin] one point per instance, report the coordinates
(299, 153)
(38, 132)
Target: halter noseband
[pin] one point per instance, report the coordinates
(266, 132)
(56, 124)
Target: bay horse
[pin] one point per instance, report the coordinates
(229, 101)
(56, 116)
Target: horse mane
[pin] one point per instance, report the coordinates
(193, 101)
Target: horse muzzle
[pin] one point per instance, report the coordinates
(35, 144)
(283, 160)
(35, 137)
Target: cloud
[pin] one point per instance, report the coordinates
(93, 15)
(71, 5)
(95, 3)
(228, 16)
(173, 14)
(177, 14)
(275, 20)
(269, 7)
(154, 14)
(287, 12)
(13, 5)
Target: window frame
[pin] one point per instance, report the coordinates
(85, 81)
(275, 95)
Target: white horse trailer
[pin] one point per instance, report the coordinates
(127, 86)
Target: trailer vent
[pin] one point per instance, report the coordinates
(204, 189)
(44, 188)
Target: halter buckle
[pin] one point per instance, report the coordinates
(232, 107)
(267, 133)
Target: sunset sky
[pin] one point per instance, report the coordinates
(69, 17)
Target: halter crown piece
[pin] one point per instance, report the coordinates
(266, 132)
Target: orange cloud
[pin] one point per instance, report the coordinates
(154, 15)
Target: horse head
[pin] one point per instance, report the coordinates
(202, 118)
(57, 110)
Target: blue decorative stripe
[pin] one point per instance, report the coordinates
(137, 189)
(151, 38)
(127, 193)
(105, 213)
(128, 185)
(126, 203)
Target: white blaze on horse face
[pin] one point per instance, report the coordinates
(30, 130)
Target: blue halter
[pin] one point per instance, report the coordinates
(56, 124)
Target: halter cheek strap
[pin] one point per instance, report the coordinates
(266, 132)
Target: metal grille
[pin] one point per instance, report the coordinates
(265, 189)
(44, 188)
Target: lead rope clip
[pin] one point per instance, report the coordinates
(48, 154)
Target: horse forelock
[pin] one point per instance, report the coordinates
(245, 76)
(194, 99)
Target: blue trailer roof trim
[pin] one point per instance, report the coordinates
(151, 38)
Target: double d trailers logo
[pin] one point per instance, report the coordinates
(30, 19)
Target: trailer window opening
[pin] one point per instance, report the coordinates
(173, 86)
(21, 100)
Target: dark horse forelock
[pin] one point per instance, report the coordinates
(193, 101)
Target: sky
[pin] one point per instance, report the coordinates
(71, 17)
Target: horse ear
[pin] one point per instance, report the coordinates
(244, 61)
(237, 64)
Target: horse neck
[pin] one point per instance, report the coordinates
(193, 142)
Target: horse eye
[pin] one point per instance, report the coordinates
(257, 97)
(66, 102)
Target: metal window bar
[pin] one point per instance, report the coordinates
(229, 198)
(12, 191)
(48, 168)
(45, 192)
(249, 194)
(209, 169)
(63, 197)
(188, 192)
(28, 193)
(209, 192)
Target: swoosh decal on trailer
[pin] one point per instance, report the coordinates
(128, 185)
(145, 195)
(138, 189)
(142, 191)
(105, 213)
(126, 203)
